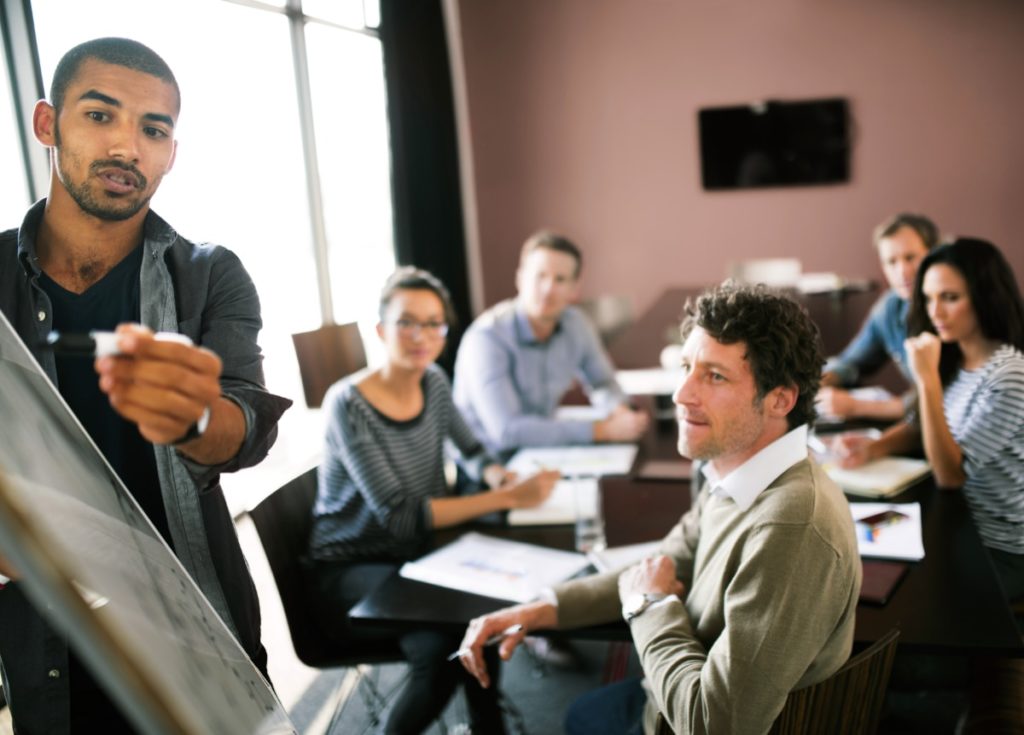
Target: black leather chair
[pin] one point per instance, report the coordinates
(847, 703)
(283, 521)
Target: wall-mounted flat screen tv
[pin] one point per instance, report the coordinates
(775, 144)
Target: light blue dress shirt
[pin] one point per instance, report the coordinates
(880, 339)
(508, 384)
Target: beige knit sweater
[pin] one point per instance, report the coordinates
(769, 606)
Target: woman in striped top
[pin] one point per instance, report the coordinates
(967, 358)
(382, 490)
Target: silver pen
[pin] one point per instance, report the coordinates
(493, 640)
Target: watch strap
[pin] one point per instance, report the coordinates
(196, 430)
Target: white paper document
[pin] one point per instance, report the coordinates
(581, 413)
(619, 557)
(863, 393)
(879, 478)
(649, 381)
(560, 507)
(493, 567)
(575, 461)
(900, 540)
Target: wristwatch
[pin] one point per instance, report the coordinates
(196, 430)
(636, 604)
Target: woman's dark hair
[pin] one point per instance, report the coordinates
(783, 345)
(991, 287)
(408, 278)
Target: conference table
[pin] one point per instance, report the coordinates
(949, 602)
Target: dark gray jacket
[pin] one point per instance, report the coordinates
(204, 292)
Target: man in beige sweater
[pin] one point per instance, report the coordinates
(754, 591)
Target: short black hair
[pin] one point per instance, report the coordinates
(991, 287)
(547, 240)
(783, 344)
(920, 224)
(408, 278)
(120, 51)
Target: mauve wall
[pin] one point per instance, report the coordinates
(583, 118)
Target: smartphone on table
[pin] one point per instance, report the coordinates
(877, 521)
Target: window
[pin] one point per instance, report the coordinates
(349, 104)
(14, 197)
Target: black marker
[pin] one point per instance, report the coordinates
(97, 343)
(93, 344)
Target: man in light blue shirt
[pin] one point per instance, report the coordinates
(902, 241)
(518, 359)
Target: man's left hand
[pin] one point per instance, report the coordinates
(655, 574)
(162, 385)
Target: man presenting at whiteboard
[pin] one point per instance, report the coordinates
(169, 415)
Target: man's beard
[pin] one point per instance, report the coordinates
(114, 210)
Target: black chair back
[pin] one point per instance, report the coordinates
(283, 521)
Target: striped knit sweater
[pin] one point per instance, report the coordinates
(378, 475)
(984, 410)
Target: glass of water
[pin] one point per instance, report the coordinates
(589, 522)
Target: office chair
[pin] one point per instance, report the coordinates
(326, 355)
(283, 522)
(847, 703)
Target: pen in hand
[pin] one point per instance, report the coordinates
(494, 639)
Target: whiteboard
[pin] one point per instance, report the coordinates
(91, 560)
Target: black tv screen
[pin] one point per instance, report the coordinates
(775, 144)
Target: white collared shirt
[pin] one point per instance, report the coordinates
(751, 478)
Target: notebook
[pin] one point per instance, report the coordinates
(560, 508)
(879, 478)
(880, 580)
(575, 461)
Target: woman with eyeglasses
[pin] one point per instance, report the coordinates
(382, 490)
(966, 354)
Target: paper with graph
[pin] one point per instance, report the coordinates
(494, 567)
(900, 540)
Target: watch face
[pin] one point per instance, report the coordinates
(634, 604)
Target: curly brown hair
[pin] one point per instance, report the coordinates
(783, 343)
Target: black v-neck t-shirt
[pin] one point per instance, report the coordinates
(112, 300)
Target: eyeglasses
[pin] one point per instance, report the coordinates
(409, 328)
